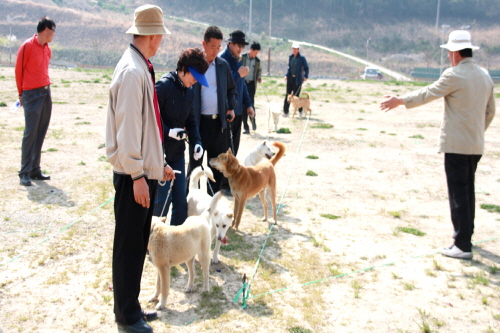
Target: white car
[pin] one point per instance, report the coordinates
(372, 74)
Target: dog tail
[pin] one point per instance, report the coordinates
(280, 152)
(213, 204)
(308, 96)
(197, 174)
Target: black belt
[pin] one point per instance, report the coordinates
(210, 116)
(41, 88)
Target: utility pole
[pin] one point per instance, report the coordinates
(367, 43)
(269, 53)
(250, 21)
(437, 15)
(444, 28)
(10, 19)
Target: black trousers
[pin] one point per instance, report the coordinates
(291, 87)
(252, 87)
(133, 225)
(235, 130)
(214, 141)
(460, 171)
(37, 105)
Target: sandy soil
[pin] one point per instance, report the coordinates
(376, 172)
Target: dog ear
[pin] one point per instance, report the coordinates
(229, 151)
(230, 215)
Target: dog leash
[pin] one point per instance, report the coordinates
(208, 180)
(161, 183)
(231, 136)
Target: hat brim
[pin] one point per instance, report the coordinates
(148, 31)
(201, 78)
(458, 46)
(229, 40)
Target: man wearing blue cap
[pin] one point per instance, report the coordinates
(175, 98)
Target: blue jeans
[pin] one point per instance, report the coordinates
(177, 197)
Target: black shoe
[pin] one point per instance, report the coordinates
(39, 176)
(254, 125)
(246, 132)
(149, 315)
(139, 327)
(227, 192)
(25, 179)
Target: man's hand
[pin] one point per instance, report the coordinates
(259, 80)
(141, 192)
(304, 79)
(390, 103)
(20, 101)
(230, 113)
(198, 152)
(243, 71)
(251, 112)
(177, 133)
(285, 78)
(168, 173)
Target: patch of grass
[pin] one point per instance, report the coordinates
(491, 208)
(409, 285)
(357, 285)
(429, 272)
(3, 104)
(298, 329)
(330, 216)
(493, 269)
(83, 123)
(418, 136)
(312, 157)
(322, 125)
(412, 231)
(362, 129)
(480, 278)
(484, 300)
(81, 163)
(20, 128)
(52, 149)
(284, 130)
(424, 325)
(396, 214)
(102, 159)
(392, 133)
(102, 145)
(59, 102)
(311, 173)
(437, 266)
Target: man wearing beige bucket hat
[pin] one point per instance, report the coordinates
(468, 111)
(134, 148)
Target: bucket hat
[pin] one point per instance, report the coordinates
(148, 20)
(459, 40)
(237, 37)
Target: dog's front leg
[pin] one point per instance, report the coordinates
(238, 207)
(165, 286)
(216, 251)
(262, 196)
(154, 298)
(191, 272)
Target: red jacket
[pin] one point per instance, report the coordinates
(32, 65)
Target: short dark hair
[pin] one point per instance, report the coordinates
(192, 57)
(255, 46)
(465, 53)
(45, 22)
(212, 32)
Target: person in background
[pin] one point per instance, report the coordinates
(33, 86)
(297, 73)
(254, 75)
(236, 44)
(213, 108)
(469, 108)
(175, 98)
(134, 149)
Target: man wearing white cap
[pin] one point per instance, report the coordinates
(134, 148)
(297, 73)
(469, 110)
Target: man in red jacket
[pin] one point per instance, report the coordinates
(33, 85)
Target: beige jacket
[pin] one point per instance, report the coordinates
(469, 107)
(133, 143)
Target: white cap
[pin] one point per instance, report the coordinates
(459, 40)
(295, 45)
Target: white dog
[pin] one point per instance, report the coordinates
(172, 245)
(199, 202)
(274, 112)
(258, 152)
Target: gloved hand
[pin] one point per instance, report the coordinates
(177, 133)
(198, 152)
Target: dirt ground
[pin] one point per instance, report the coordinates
(375, 175)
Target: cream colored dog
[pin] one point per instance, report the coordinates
(172, 245)
(198, 203)
(246, 182)
(274, 112)
(300, 102)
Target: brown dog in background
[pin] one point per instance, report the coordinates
(300, 102)
(246, 182)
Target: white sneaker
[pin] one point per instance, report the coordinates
(301, 114)
(455, 252)
(285, 115)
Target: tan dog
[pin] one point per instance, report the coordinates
(172, 245)
(246, 182)
(300, 102)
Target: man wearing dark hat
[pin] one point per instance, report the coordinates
(469, 109)
(134, 148)
(232, 54)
